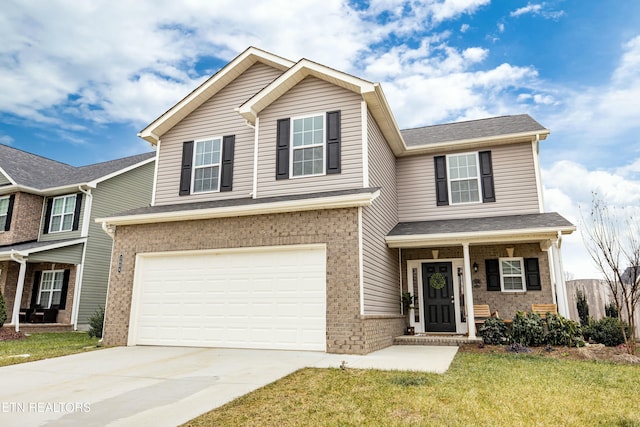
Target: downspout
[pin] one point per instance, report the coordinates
(254, 191)
(80, 268)
(15, 316)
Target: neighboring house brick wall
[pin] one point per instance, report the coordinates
(25, 221)
(380, 266)
(506, 303)
(338, 229)
(514, 183)
(126, 191)
(312, 96)
(216, 117)
(9, 278)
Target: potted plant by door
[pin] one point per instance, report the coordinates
(407, 305)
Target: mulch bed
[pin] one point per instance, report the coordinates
(590, 352)
(7, 334)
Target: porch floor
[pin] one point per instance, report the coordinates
(29, 328)
(435, 339)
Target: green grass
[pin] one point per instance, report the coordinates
(44, 346)
(478, 389)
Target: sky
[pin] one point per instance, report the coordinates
(78, 80)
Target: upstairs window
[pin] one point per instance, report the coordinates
(464, 179)
(307, 148)
(62, 211)
(206, 169)
(4, 212)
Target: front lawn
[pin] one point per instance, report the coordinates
(45, 345)
(478, 389)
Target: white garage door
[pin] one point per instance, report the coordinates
(271, 298)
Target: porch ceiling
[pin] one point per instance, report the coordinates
(541, 228)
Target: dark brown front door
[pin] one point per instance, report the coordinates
(437, 288)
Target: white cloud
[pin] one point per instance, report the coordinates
(529, 8)
(464, 28)
(539, 9)
(6, 140)
(500, 27)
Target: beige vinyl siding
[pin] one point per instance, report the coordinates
(66, 255)
(4, 180)
(61, 235)
(312, 96)
(381, 276)
(215, 118)
(126, 191)
(514, 183)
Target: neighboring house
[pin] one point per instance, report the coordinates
(54, 257)
(290, 212)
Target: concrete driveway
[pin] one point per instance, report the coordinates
(167, 386)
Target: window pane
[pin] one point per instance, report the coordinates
(56, 297)
(297, 139)
(69, 204)
(55, 223)
(58, 204)
(297, 125)
(511, 267)
(4, 206)
(45, 299)
(207, 152)
(513, 283)
(206, 179)
(67, 222)
(58, 280)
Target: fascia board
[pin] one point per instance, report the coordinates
(11, 180)
(465, 144)
(97, 181)
(499, 236)
(255, 209)
(208, 88)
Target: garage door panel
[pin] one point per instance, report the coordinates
(262, 299)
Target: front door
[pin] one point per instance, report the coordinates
(437, 288)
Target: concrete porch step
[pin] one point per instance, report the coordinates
(424, 339)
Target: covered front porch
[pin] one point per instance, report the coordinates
(508, 263)
(38, 281)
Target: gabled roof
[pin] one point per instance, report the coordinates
(210, 87)
(473, 132)
(41, 175)
(371, 93)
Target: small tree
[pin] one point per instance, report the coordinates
(583, 307)
(3, 311)
(612, 239)
(95, 323)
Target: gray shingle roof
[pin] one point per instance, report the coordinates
(34, 245)
(475, 225)
(38, 172)
(484, 128)
(239, 202)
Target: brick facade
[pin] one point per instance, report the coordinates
(347, 331)
(506, 303)
(25, 221)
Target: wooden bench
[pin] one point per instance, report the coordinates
(543, 309)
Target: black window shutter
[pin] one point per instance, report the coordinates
(47, 216)
(333, 142)
(36, 288)
(492, 268)
(282, 149)
(76, 213)
(532, 272)
(185, 171)
(65, 288)
(486, 176)
(228, 144)
(7, 224)
(442, 190)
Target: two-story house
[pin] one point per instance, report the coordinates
(290, 212)
(54, 257)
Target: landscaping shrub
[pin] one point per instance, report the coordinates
(493, 331)
(583, 308)
(607, 331)
(527, 329)
(610, 310)
(3, 310)
(563, 331)
(517, 348)
(95, 323)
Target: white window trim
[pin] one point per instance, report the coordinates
(194, 167)
(52, 290)
(451, 202)
(522, 275)
(61, 230)
(324, 146)
(4, 214)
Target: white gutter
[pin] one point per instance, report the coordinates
(254, 193)
(87, 210)
(15, 316)
(331, 202)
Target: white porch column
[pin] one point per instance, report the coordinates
(561, 288)
(17, 302)
(468, 291)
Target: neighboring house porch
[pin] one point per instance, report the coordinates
(38, 281)
(507, 262)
